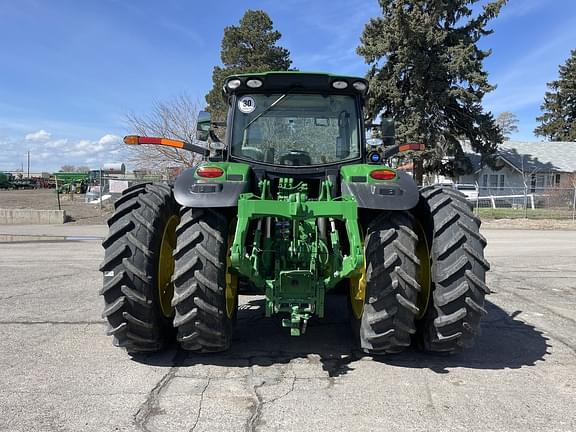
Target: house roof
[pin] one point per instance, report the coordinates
(532, 156)
(540, 156)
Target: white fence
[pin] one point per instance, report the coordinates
(540, 203)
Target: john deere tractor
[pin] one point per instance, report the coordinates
(293, 204)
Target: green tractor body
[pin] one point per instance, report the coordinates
(293, 204)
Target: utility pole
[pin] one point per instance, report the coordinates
(28, 163)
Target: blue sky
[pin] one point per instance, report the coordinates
(70, 70)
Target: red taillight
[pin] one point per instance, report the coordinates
(383, 174)
(210, 172)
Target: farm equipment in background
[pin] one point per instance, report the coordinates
(295, 205)
(72, 182)
(10, 181)
(5, 181)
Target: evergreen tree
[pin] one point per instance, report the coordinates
(558, 121)
(508, 123)
(248, 47)
(426, 72)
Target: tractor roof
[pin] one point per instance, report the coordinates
(281, 81)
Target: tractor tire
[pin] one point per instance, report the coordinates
(388, 318)
(203, 320)
(458, 270)
(131, 268)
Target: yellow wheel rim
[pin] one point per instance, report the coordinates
(231, 291)
(166, 266)
(358, 292)
(424, 274)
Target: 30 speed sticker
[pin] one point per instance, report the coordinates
(246, 104)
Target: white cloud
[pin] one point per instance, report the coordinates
(39, 136)
(110, 139)
(86, 145)
(57, 143)
(50, 153)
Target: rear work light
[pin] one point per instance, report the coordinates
(359, 85)
(383, 174)
(210, 172)
(340, 85)
(234, 84)
(254, 83)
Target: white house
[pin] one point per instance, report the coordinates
(538, 165)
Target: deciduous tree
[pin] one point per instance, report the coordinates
(508, 123)
(175, 119)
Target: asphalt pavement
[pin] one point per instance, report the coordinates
(60, 372)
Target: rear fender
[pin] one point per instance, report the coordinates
(190, 190)
(400, 193)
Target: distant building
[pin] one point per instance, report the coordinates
(24, 174)
(539, 165)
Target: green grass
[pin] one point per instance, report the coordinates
(508, 213)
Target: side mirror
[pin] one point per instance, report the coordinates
(388, 132)
(203, 125)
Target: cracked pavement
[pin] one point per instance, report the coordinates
(59, 372)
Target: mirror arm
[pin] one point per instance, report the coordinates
(213, 136)
(197, 149)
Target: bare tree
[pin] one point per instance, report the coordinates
(175, 119)
(67, 168)
(508, 123)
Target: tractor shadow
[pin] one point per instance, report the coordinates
(505, 342)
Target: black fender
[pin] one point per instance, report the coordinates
(192, 192)
(402, 194)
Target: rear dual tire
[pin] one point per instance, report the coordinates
(130, 268)
(202, 286)
(397, 310)
(142, 311)
(452, 320)
(387, 321)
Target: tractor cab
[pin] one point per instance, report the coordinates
(306, 121)
(293, 119)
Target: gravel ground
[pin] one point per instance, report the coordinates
(45, 199)
(529, 224)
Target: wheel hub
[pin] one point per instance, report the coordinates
(231, 292)
(424, 273)
(358, 292)
(166, 266)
